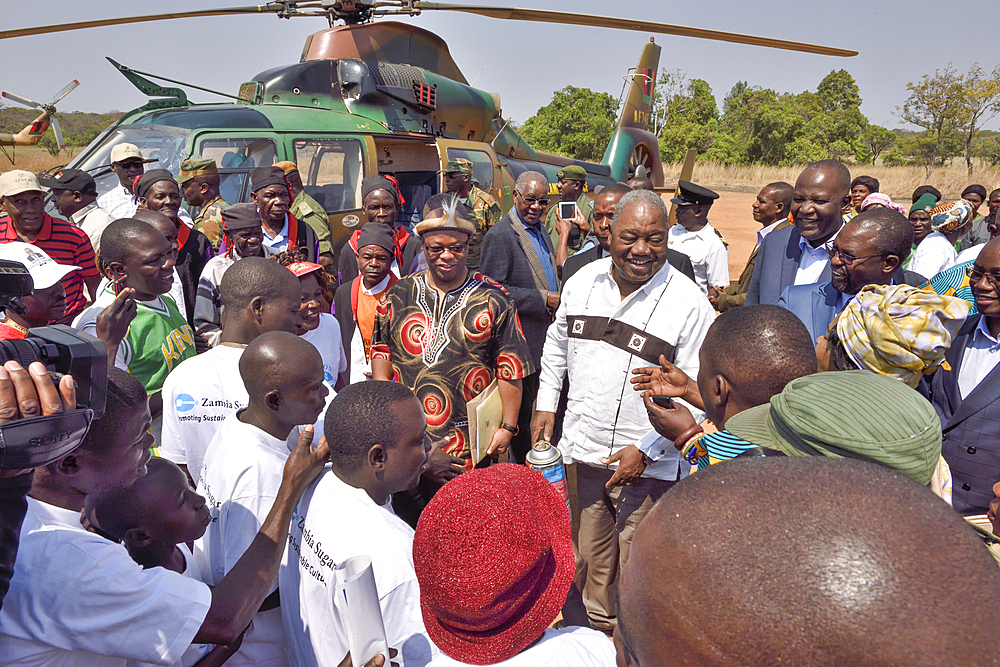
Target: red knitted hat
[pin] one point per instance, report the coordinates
(493, 553)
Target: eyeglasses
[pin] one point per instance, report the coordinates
(976, 274)
(456, 249)
(130, 164)
(531, 201)
(848, 260)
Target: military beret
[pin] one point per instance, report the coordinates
(147, 180)
(261, 177)
(692, 194)
(240, 216)
(377, 234)
(287, 166)
(572, 173)
(372, 183)
(192, 168)
(458, 166)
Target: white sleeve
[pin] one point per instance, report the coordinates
(171, 443)
(654, 446)
(404, 626)
(718, 264)
(554, 360)
(98, 600)
(241, 518)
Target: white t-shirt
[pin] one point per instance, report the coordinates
(78, 600)
(326, 338)
(346, 522)
(569, 647)
(359, 365)
(934, 254)
(195, 652)
(197, 397)
(708, 254)
(240, 479)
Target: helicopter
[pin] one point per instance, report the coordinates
(49, 108)
(374, 97)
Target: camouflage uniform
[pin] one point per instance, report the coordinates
(483, 209)
(308, 209)
(583, 202)
(209, 220)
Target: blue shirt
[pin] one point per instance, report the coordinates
(538, 234)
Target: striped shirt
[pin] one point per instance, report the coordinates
(66, 244)
(721, 446)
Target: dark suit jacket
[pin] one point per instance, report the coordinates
(678, 260)
(971, 428)
(735, 295)
(345, 318)
(818, 303)
(503, 259)
(777, 262)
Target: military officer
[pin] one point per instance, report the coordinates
(694, 236)
(484, 209)
(308, 209)
(199, 184)
(570, 184)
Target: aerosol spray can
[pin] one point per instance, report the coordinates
(547, 460)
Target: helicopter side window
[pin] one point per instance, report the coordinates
(237, 153)
(482, 166)
(330, 171)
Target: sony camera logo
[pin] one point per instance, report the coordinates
(51, 439)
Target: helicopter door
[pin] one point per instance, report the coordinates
(235, 158)
(414, 164)
(486, 170)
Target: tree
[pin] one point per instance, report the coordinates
(756, 126)
(689, 121)
(577, 123)
(877, 139)
(982, 102)
(935, 104)
(48, 142)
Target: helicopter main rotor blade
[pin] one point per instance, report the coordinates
(58, 132)
(70, 87)
(20, 100)
(273, 7)
(546, 16)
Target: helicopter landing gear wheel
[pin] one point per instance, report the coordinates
(641, 156)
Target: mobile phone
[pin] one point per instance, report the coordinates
(119, 285)
(663, 401)
(567, 210)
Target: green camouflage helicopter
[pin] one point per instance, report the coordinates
(374, 98)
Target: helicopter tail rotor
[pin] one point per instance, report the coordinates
(49, 109)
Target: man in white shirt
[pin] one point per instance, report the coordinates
(499, 612)
(259, 296)
(241, 476)
(694, 236)
(77, 599)
(617, 314)
(128, 165)
(799, 255)
(74, 194)
(379, 446)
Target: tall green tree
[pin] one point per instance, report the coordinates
(877, 140)
(936, 104)
(577, 123)
(982, 102)
(689, 121)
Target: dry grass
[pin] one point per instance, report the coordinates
(34, 159)
(897, 182)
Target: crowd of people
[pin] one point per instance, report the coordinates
(275, 410)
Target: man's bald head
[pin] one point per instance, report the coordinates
(154, 218)
(277, 360)
(807, 561)
(253, 277)
(834, 170)
(822, 190)
(640, 183)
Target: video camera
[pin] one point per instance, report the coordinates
(29, 443)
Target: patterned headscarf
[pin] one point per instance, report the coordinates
(949, 216)
(900, 331)
(884, 200)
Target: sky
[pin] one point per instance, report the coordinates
(523, 62)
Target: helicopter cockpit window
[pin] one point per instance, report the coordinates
(166, 145)
(482, 166)
(331, 171)
(237, 153)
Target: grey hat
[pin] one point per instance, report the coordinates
(848, 414)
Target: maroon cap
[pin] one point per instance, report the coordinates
(493, 553)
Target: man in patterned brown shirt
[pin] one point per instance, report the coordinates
(447, 333)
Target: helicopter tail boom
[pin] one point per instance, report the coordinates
(633, 144)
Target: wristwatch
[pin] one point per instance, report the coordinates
(508, 427)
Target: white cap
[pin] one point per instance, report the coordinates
(17, 181)
(124, 152)
(45, 271)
